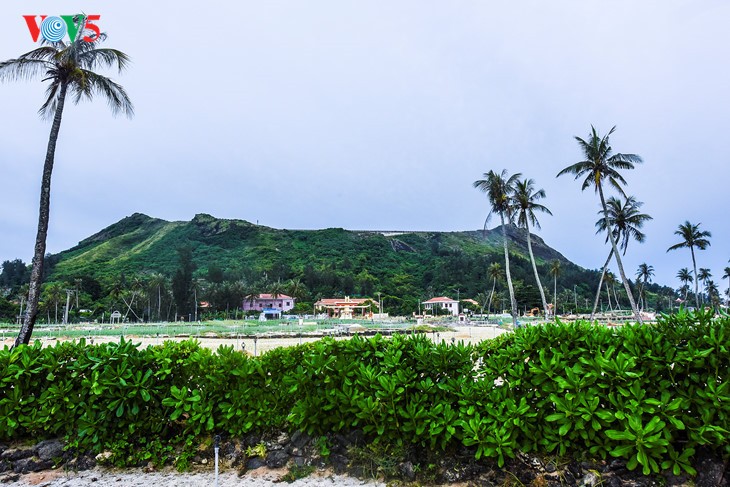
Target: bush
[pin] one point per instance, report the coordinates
(650, 395)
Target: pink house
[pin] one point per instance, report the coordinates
(266, 301)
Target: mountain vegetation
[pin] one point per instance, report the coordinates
(136, 265)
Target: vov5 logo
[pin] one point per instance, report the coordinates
(55, 28)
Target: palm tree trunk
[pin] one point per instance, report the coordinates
(36, 274)
(697, 283)
(534, 268)
(513, 302)
(618, 257)
(555, 295)
(491, 295)
(600, 283)
(608, 296)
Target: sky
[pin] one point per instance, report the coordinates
(380, 115)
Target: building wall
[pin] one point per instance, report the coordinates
(453, 307)
(284, 304)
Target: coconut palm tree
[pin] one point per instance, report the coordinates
(644, 274)
(495, 272)
(526, 201)
(157, 282)
(704, 275)
(692, 237)
(726, 275)
(626, 221)
(70, 70)
(499, 189)
(685, 277)
(610, 281)
(54, 293)
(713, 293)
(601, 165)
(555, 271)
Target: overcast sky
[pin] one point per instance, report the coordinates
(380, 115)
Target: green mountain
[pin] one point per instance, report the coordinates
(404, 266)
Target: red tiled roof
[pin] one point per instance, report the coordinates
(440, 299)
(341, 301)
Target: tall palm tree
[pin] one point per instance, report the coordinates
(692, 237)
(626, 220)
(157, 282)
(685, 277)
(526, 200)
(69, 69)
(704, 275)
(555, 271)
(499, 188)
(601, 165)
(495, 272)
(610, 281)
(644, 274)
(54, 293)
(726, 275)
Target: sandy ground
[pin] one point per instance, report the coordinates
(470, 334)
(136, 477)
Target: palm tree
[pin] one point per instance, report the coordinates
(713, 293)
(692, 237)
(726, 275)
(54, 292)
(157, 282)
(610, 281)
(555, 271)
(499, 188)
(625, 221)
(526, 200)
(495, 272)
(601, 164)
(69, 68)
(685, 277)
(644, 273)
(704, 275)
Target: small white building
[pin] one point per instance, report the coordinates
(451, 305)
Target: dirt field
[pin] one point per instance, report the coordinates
(469, 334)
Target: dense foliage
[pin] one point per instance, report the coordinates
(650, 395)
(130, 267)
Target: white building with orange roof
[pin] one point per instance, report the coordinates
(345, 308)
(451, 305)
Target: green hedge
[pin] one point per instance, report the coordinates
(648, 394)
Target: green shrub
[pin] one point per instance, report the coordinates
(648, 394)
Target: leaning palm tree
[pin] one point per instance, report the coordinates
(495, 272)
(644, 274)
(601, 165)
(70, 70)
(626, 221)
(692, 237)
(555, 271)
(499, 188)
(685, 277)
(526, 201)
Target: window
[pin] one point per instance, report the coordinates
(288, 303)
